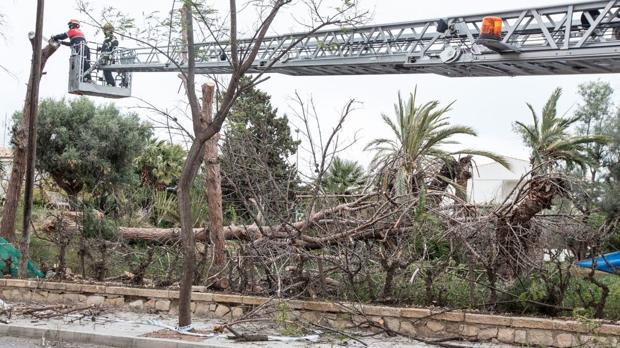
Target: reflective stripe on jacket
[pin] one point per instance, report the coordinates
(75, 35)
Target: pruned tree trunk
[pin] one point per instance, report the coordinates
(541, 192)
(458, 171)
(514, 235)
(214, 180)
(18, 168)
(463, 174)
(35, 77)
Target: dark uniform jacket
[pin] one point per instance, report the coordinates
(109, 44)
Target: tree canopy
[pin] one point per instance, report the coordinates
(596, 116)
(255, 151)
(420, 133)
(85, 146)
(612, 194)
(550, 140)
(343, 177)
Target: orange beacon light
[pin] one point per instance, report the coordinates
(491, 28)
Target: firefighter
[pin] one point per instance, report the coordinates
(110, 43)
(76, 40)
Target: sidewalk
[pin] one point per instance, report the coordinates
(112, 333)
(125, 329)
(14, 342)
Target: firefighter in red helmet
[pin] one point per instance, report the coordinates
(77, 42)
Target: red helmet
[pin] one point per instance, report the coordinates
(74, 23)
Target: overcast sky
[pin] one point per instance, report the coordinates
(489, 105)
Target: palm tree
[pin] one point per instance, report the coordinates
(343, 177)
(550, 140)
(409, 161)
(551, 143)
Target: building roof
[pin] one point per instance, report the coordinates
(508, 157)
(6, 153)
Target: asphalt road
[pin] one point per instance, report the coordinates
(12, 342)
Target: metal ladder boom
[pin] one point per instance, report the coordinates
(579, 38)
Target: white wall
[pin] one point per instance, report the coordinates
(492, 183)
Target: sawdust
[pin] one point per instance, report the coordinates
(173, 335)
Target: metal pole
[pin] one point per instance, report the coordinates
(35, 75)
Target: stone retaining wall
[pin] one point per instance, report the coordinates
(419, 322)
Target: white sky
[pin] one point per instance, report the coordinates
(489, 105)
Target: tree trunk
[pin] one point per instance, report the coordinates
(471, 278)
(62, 264)
(18, 168)
(463, 174)
(82, 256)
(446, 172)
(100, 267)
(492, 278)
(514, 235)
(542, 190)
(428, 286)
(214, 180)
(190, 169)
(388, 285)
(452, 170)
(140, 271)
(192, 164)
(68, 224)
(35, 78)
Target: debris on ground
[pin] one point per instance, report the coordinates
(43, 312)
(175, 335)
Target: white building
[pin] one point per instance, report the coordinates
(6, 162)
(492, 183)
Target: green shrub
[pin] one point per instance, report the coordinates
(94, 227)
(612, 310)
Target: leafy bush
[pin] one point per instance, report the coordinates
(160, 164)
(612, 310)
(100, 228)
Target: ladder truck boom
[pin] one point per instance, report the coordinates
(568, 39)
(576, 38)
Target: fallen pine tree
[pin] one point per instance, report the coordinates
(70, 221)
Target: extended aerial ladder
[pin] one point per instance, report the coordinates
(577, 38)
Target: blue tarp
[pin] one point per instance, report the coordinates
(9, 261)
(609, 263)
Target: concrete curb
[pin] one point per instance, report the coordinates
(423, 322)
(93, 338)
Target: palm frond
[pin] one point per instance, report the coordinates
(503, 161)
